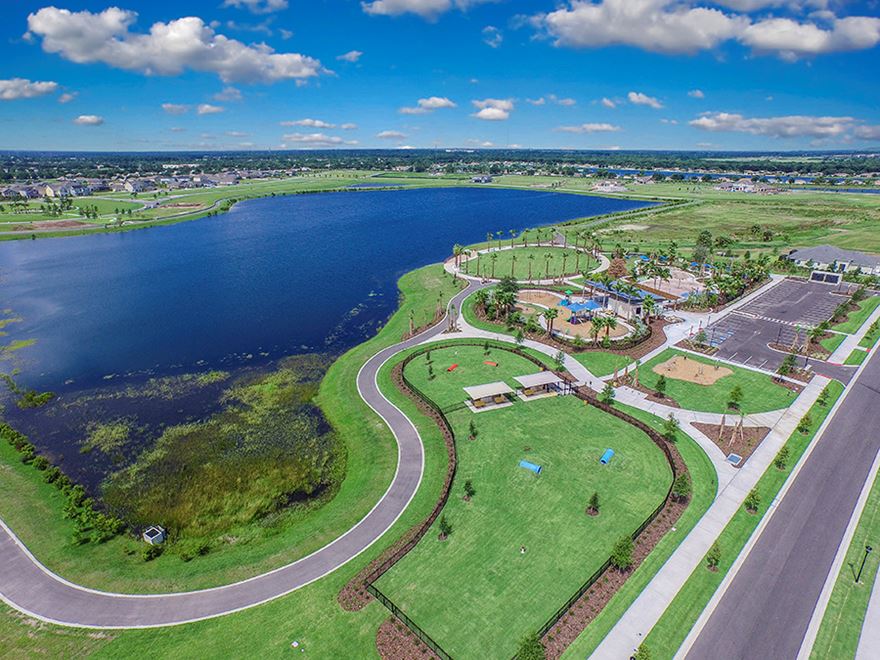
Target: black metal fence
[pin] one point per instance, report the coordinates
(409, 623)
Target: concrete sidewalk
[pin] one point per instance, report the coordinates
(852, 341)
(646, 610)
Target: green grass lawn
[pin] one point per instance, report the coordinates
(678, 619)
(760, 393)
(832, 342)
(445, 387)
(842, 624)
(30, 506)
(602, 363)
(518, 260)
(475, 593)
(856, 357)
(856, 318)
(869, 340)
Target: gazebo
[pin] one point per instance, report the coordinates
(580, 309)
(540, 384)
(490, 395)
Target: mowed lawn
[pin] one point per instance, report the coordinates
(856, 318)
(518, 260)
(760, 393)
(602, 363)
(446, 387)
(476, 594)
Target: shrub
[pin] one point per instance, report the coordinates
(753, 501)
(804, 424)
(713, 557)
(150, 552)
(445, 528)
(734, 399)
(681, 487)
(781, 460)
(622, 555)
(530, 648)
(642, 653)
(469, 490)
(607, 394)
(593, 506)
(670, 428)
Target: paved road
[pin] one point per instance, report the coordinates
(28, 586)
(767, 608)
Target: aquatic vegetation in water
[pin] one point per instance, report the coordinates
(107, 437)
(26, 398)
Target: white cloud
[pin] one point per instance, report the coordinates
(390, 135)
(228, 94)
(657, 25)
(348, 126)
(236, 134)
(427, 105)
(427, 9)
(867, 132)
(89, 120)
(538, 101)
(608, 103)
(673, 122)
(684, 26)
(175, 108)
(492, 36)
(317, 140)
(208, 109)
(566, 102)
(696, 94)
(257, 6)
(792, 39)
(493, 109)
(285, 34)
(22, 88)
(637, 98)
(167, 49)
(350, 56)
(589, 128)
(310, 123)
(67, 97)
(789, 126)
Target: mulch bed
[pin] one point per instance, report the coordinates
(732, 440)
(697, 348)
(354, 595)
(588, 606)
(817, 351)
(394, 641)
(653, 395)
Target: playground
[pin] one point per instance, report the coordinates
(691, 388)
(680, 284)
(524, 537)
(569, 308)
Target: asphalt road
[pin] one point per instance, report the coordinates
(29, 587)
(768, 606)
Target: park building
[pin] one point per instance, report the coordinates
(831, 258)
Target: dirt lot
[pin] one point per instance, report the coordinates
(693, 371)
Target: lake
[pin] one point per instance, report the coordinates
(272, 277)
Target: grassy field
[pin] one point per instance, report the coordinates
(832, 342)
(856, 357)
(469, 591)
(602, 363)
(678, 619)
(842, 624)
(29, 506)
(856, 318)
(760, 393)
(705, 485)
(869, 340)
(545, 262)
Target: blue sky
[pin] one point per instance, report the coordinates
(265, 74)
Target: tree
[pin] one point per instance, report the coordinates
(559, 360)
(610, 324)
(550, 315)
(593, 506)
(530, 648)
(700, 338)
(823, 397)
(788, 364)
(617, 268)
(472, 431)
(781, 460)
(445, 528)
(596, 325)
(660, 386)
(713, 557)
(753, 501)
(622, 554)
(681, 487)
(519, 337)
(670, 427)
(804, 424)
(469, 490)
(642, 653)
(606, 396)
(650, 306)
(734, 399)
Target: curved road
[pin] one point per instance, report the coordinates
(28, 586)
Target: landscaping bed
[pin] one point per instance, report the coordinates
(741, 441)
(394, 641)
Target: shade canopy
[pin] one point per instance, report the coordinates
(538, 379)
(487, 390)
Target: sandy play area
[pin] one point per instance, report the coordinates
(681, 367)
(681, 282)
(534, 300)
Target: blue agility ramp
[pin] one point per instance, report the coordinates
(530, 466)
(606, 456)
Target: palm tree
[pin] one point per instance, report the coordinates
(577, 259)
(610, 324)
(547, 257)
(457, 251)
(596, 325)
(531, 258)
(479, 255)
(549, 315)
(493, 258)
(489, 237)
(650, 306)
(499, 235)
(481, 298)
(513, 260)
(512, 233)
(564, 259)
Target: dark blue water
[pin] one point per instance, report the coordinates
(272, 277)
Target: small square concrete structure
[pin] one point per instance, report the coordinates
(488, 397)
(155, 535)
(539, 385)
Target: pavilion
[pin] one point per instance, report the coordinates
(488, 396)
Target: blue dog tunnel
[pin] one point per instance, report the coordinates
(530, 466)
(606, 456)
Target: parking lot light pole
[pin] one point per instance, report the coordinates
(868, 550)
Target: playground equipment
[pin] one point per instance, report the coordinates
(530, 466)
(453, 367)
(606, 456)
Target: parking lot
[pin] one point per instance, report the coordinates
(782, 315)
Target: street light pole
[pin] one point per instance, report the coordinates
(868, 550)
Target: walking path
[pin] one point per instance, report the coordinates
(869, 640)
(851, 342)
